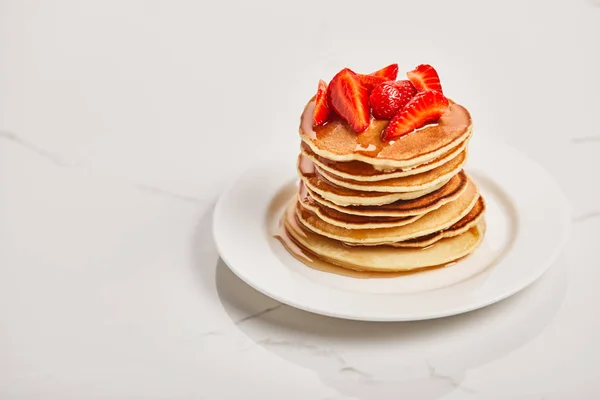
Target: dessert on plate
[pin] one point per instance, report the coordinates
(382, 186)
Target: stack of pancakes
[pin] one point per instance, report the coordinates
(370, 205)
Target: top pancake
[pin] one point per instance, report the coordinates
(336, 141)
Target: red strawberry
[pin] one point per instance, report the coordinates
(390, 97)
(350, 99)
(388, 73)
(321, 106)
(370, 81)
(425, 77)
(423, 108)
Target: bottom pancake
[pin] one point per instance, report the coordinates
(382, 258)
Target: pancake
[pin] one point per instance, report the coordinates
(336, 141)
(382, 258)
(349, 221)
(434, 221)
(467, 222)
(404, 208)
(348, 197)
(423, 181)
(363, 172)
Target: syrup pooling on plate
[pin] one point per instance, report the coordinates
(293, 247)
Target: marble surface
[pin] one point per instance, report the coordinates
(121, 122)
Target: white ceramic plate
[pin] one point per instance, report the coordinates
(527, 218)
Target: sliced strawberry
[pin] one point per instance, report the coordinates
(321, 106)
(390, 72)
(350, 99)
(389, 97)
(423, 108)
(425, 77)
(376, 78)
(370, 81)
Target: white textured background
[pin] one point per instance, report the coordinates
(121, 121)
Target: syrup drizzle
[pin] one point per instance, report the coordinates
(335, 135)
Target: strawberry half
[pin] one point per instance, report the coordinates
(388, 73)
(390, 97)
(424, 78)
(423, 108)
(321, 106)
(350, 99)
(371, 81)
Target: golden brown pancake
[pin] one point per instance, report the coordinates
(382, 258)
(347, 197)
(360, 171)
(349, 221)
(410, 183)
(404, 208)
(467, 222)
(336, 141)
(434, 221)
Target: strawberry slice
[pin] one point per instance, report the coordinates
(371, 81)
(390, 97)
(350, 99)
(423, 108)
(390, 72)
(424, 78)
(376, 78)
(321, 106)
